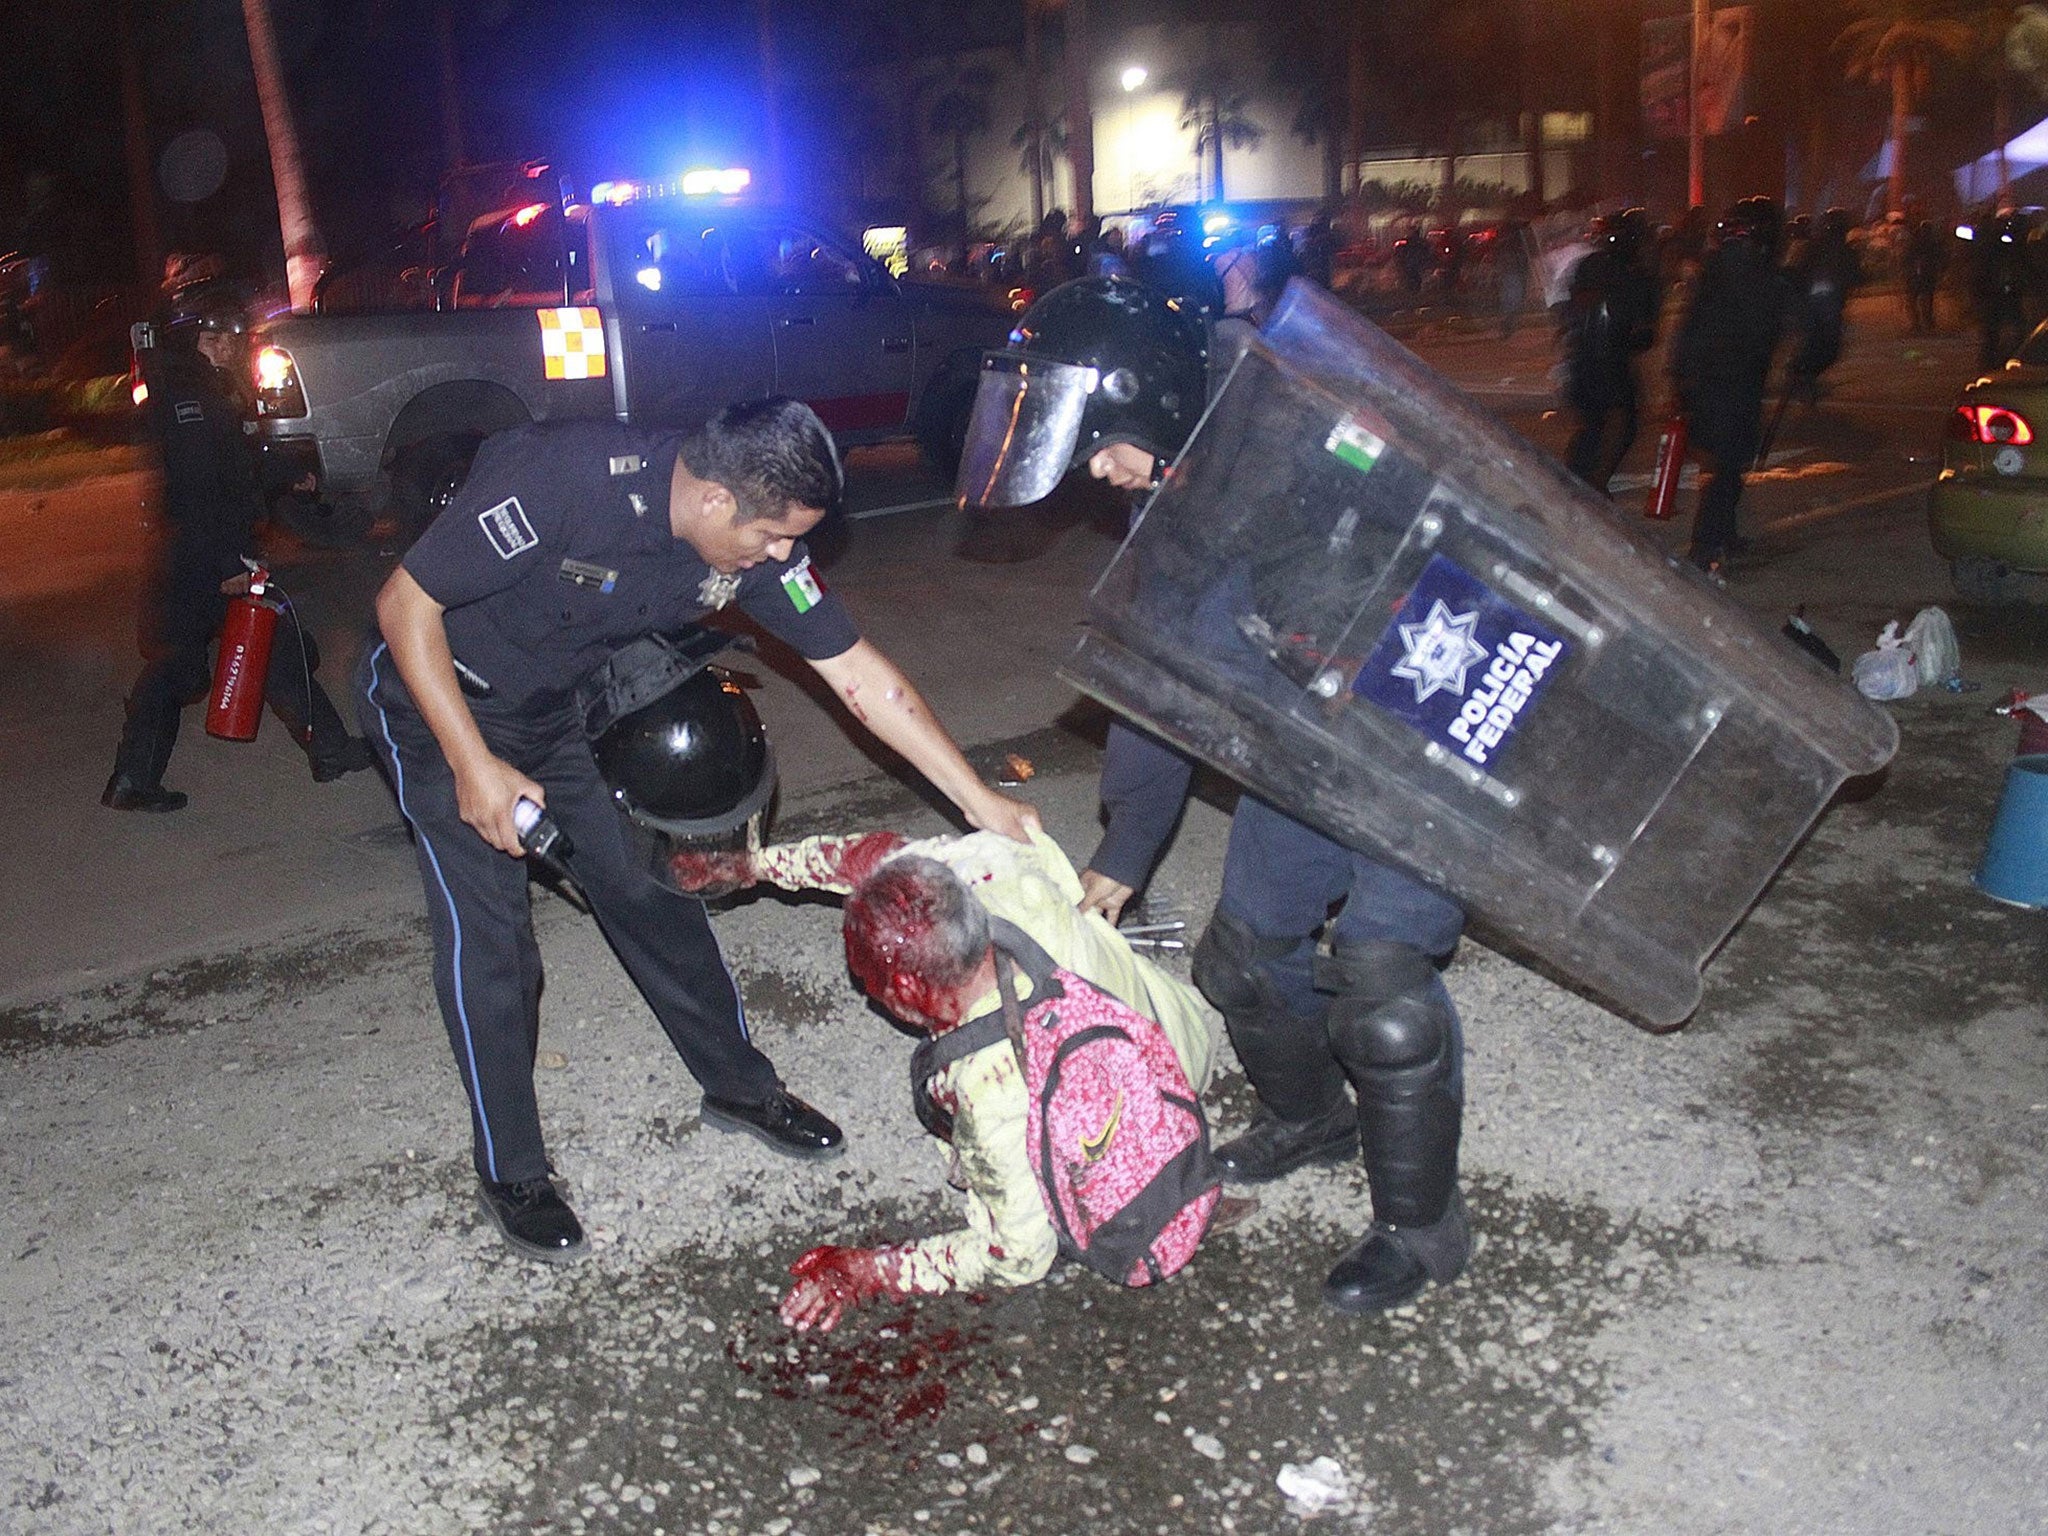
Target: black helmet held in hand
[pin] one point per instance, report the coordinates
(691, 771)
(1097, 361)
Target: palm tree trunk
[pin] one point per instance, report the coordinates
(1216, 150)
(1034, 107)
(149, 256)
(303, 253)
(1357, 87)
(1902, 101)
(1080, 120)
(453, 151)
(771, 117)
(1532, 113)
(960, 189)
(2001, 118)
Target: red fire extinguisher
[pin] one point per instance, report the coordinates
(234, 708)
(1663, 501)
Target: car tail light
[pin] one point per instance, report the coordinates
(278, 392)
(1990, 424)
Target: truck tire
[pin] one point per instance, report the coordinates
(425, 478)
(943, 414)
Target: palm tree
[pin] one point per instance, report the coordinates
(1310, 64)
(304, 254)
(960, 112)
(1078, 122)
(1213, 106)
(1031, 136)
(1041, 144)
(1897, 43)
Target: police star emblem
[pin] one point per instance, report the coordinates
(1439, 651)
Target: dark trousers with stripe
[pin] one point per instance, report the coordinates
(487, 969)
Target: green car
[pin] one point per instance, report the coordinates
(1988, 511)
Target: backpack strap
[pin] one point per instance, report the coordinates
(935, 1053)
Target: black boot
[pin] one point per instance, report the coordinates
(351, 756)
(1273, 1148)
(1393, 1027)
(1304, 1114)
(125, 794)
(1393, 1264)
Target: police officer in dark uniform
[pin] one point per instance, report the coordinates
(1721, 362)
(211, 503)
(566, 543)
(1610, 319)
(1373, 1017)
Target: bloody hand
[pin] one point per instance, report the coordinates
(831, 1279)
(704, 871)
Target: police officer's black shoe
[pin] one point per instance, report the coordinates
(124, 794)
(353, 756)
(535, 1220)
(1393, 1264)
(784, 1122)
(1273, 1148)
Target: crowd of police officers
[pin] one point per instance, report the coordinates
(538, 682)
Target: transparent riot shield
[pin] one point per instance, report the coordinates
(1373, 605)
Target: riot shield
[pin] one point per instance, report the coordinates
(1376, 607)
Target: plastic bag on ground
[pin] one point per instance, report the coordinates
(1932, 640)
(1889, 672)
(1315, 1487)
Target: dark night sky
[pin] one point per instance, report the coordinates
(601, 87)
(608, 87)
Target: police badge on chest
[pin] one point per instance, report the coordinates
(718, 589)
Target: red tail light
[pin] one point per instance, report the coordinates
(1990, 424)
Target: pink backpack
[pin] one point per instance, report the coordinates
(1117, 1139)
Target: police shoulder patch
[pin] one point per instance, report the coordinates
(505, 525)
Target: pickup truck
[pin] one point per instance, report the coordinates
(652, 309)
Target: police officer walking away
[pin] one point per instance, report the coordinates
(1610, 318)
(566, 543)
(1360, 1050)
(1823, 274)
(2000, 277)
(1722, 361)
(211, 503)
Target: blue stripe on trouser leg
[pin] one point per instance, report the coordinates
(486, 966)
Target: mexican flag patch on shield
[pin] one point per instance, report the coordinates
(804, 589)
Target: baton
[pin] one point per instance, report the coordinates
(1763, 450)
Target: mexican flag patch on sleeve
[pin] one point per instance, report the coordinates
(804, 589)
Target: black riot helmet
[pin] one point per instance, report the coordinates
(1627, 231)
(690, 769)
(211, 305)
(1757, 220)
(1097, 361)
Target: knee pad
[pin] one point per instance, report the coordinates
(1230, 967)
(1387, 1013)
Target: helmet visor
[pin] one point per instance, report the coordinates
(1026, 422)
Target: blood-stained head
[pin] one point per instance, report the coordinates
(915, 936)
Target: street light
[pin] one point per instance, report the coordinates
(1132, 77)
